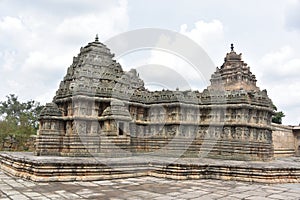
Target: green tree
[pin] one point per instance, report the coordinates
(278, 115)
(18, 119)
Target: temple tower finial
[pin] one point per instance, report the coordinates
(232, 47)
(97, 38)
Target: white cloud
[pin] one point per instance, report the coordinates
(281, 64)
(292, 15)
(204, 33)
(209, 35)
(291, 68)
(176, 70)
(278, 56)
(173, 66)
(8, 60)
(10, 24)
(35, 60)
(108, 23)
(281, 73)
(160, 69)
(37, 42)
(286, 97)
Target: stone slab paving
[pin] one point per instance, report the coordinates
(144, 188)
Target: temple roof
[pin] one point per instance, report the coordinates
(232, 56)
(97, 47)
(94, 72)
(51, 109)
(117, 110)
(234, 74)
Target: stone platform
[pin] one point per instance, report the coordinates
(54, 168)
(146, 187)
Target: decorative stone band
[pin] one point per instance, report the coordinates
(51, 168)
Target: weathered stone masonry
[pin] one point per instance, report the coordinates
(99, 109)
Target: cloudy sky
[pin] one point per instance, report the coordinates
(38, 40)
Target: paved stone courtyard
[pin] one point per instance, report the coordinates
(144, 188)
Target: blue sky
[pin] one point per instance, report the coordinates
(38, 39)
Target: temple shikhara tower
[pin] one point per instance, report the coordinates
(99, 109)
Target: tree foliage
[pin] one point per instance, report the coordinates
(19, 120)
(278, 115)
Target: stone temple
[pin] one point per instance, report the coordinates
(104, 124)
(101, 109)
